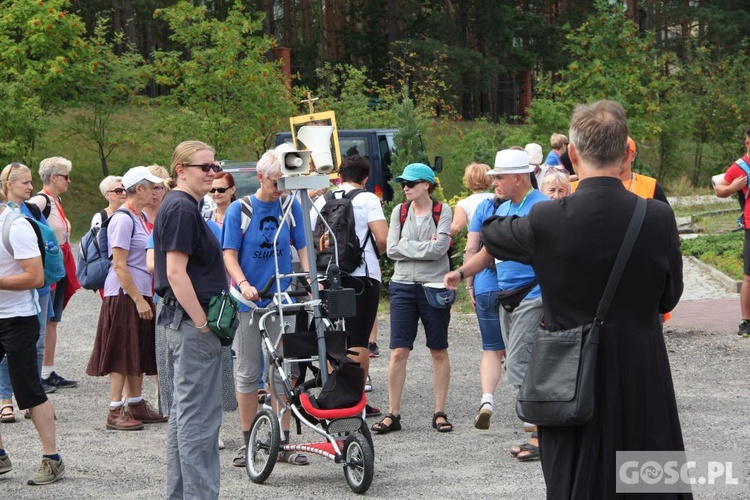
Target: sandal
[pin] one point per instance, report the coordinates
(532, 453)
(441, 426)
(292, 457)
(7, 416)
(383, 428)
(241, 459)
(521, 447)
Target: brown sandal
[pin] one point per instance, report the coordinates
(441, 426)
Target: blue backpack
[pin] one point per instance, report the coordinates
(93, 260)
(54, 268)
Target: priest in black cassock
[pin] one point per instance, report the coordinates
(571, 244)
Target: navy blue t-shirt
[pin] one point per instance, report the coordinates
(180, 227)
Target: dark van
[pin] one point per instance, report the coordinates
(375, 144)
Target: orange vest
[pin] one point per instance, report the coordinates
(642, 185)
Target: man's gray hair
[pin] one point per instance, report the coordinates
(599, 132)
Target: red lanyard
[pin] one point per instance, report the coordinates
(140, 218)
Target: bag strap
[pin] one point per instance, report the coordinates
(623, 255)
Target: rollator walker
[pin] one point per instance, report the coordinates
(346, 438)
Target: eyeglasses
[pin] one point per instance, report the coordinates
(64, 176)
(220, 190)
(205, 166)
(15, 164)
(275, 183)
(158, 187)
(410, 184)
(117, 190)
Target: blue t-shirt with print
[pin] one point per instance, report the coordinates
(486, 280)
(511, 274)
(255, 250)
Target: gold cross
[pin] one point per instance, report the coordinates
(310, 100)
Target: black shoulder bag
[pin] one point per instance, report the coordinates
(560, 382)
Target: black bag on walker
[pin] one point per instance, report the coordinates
(344, 385)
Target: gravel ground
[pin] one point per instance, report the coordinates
(710, 373)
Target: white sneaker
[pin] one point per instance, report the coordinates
(221, 444)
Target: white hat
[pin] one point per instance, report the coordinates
(138, 174)
(511, 161)
(535, 153)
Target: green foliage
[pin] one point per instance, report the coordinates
(229, 93)
(612, 60)
(722, 251)
(109, 85)
(42, 50)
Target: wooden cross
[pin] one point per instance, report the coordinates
(310, 100)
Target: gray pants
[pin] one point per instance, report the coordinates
(518, 329)
(193, 470)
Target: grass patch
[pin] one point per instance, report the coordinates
(721, 251)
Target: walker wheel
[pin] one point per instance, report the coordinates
(263, 446)
(359, 462)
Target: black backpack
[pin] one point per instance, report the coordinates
(339, 214)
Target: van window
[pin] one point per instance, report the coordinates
(354, 146)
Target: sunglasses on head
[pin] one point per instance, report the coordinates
(205, 167)
(220, 190)
(410, 184)
(117, 190)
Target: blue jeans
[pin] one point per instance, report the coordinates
(488, 316)
(6, 388)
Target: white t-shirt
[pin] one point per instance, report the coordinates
(17, 303)
(470, 204)
(367, 209)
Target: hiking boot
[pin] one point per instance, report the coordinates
(374, 350)
(744, 329)
(5, 464)
(59, 382)
(146, 413)
(120, 420)
(49, 472)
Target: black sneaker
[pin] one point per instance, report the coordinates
(374, 351)
(57, 381)
(48, 389)
(744, 329)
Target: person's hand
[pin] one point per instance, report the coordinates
(451, 280)
(470, 291)
(738, 183)
(249, 292)
(144, 308)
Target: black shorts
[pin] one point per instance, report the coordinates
(746, 253)
(18, 338)
(367, 292)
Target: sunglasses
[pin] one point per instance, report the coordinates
(220, 190)
(66, 177)
(117, 190)
(410, 184)
(275, 183)
(205, 167)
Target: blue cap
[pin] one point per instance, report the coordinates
(417, 172)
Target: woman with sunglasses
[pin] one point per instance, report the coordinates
(112, 190)
(17, 188)
(189, 271)
(55, 175)
(419, 249)
(223, 193)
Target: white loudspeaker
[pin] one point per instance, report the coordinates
(318, 140)
(294, 162)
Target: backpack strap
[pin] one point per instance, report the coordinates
(103, 214)
(48, 207)
(745, 167)
(437, 209)
(246, 206)
(402, 214)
